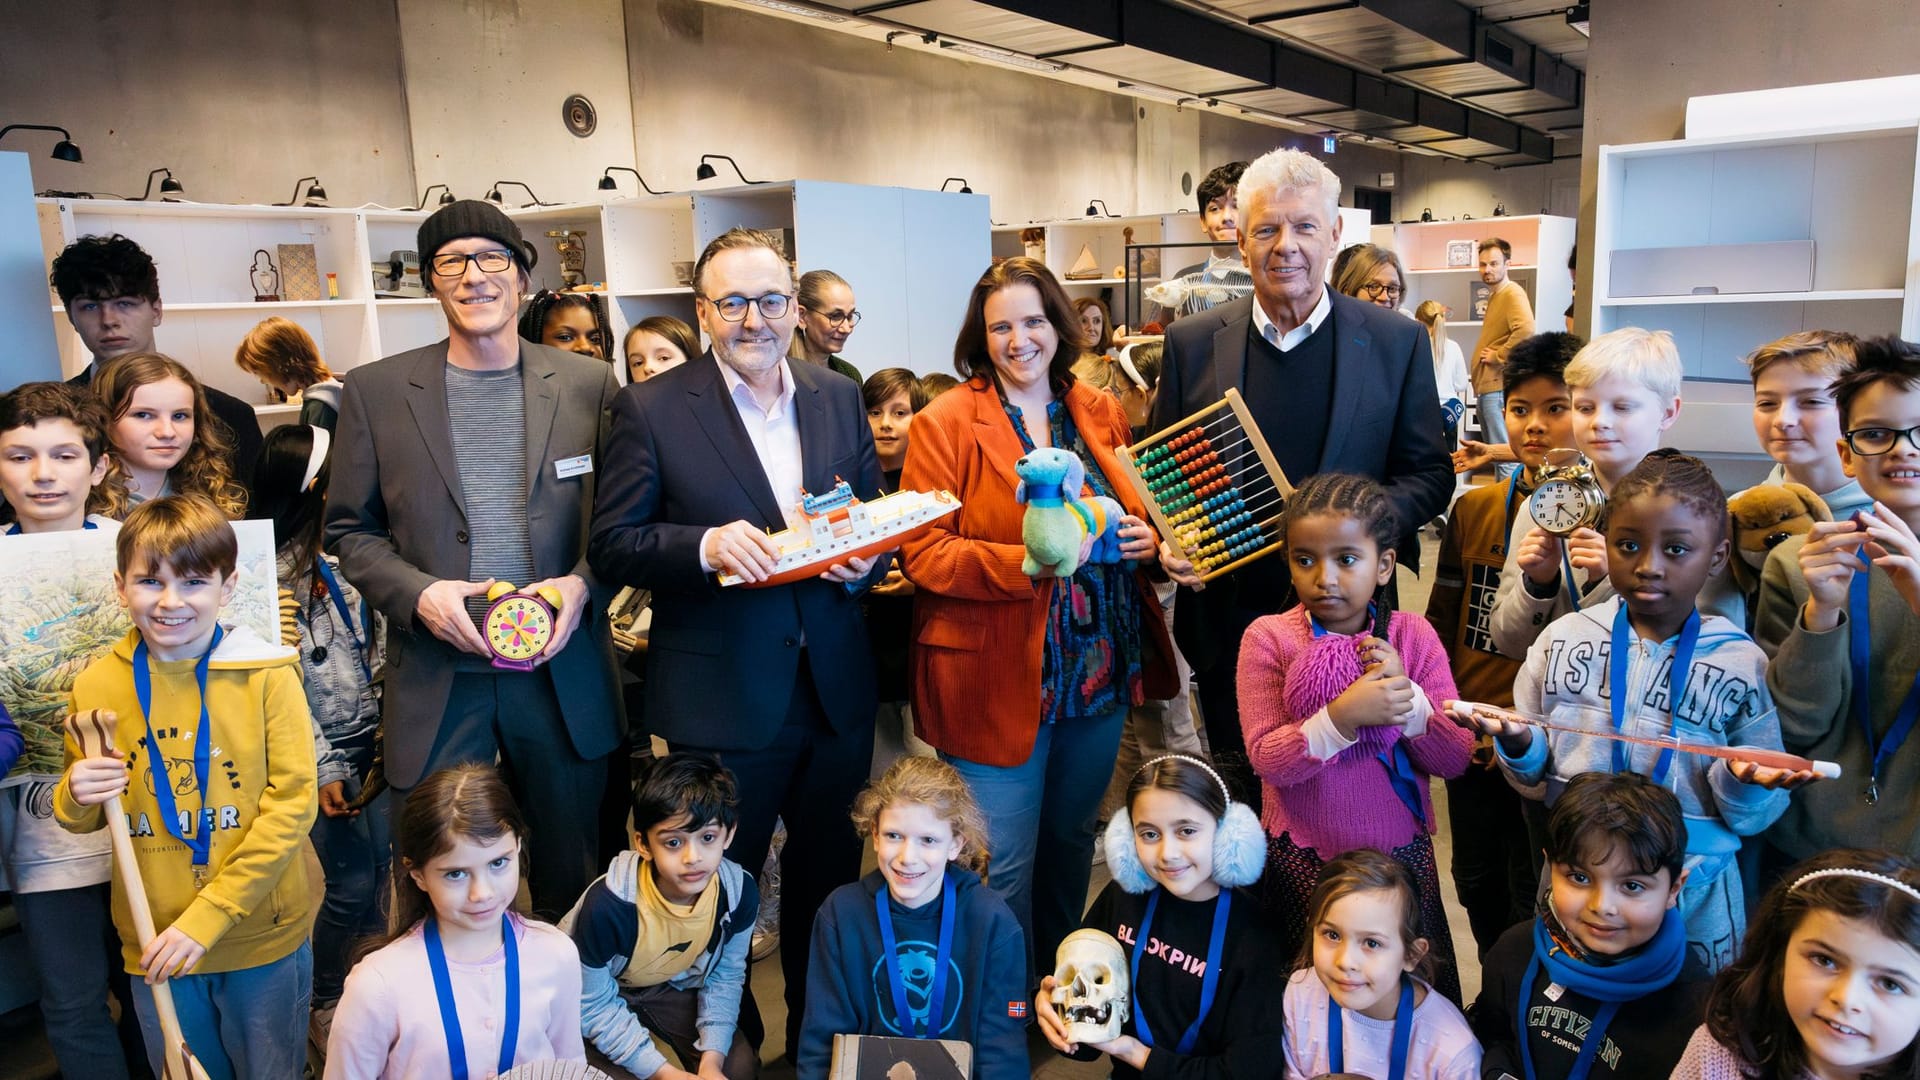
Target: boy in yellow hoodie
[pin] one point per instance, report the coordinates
(218, 835)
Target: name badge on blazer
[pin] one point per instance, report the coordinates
(573, 466)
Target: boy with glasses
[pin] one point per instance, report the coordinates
(1840, 614)
(459, 465)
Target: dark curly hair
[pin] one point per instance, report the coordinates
(1599, 811)
(1355, 496)
(103, 267)
(684, 783)
(1667, 471)
(1746, 1012)
(1219, 181)
(1542, 355)
(533, 321)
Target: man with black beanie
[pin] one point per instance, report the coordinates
(460, 465)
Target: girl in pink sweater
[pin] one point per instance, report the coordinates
(1340, 706)
(464, 987)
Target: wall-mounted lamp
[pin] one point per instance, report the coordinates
(446, 196)
(494, 196)
(706, 171)
(171, 190)
(1091, 212)
(607, 182)
(64, 150)
(965, 188)
(315, 194)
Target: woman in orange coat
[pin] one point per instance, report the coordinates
(1023, 684)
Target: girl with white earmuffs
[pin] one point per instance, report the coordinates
(1204, 973)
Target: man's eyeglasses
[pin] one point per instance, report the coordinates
(772, 305)
(848, 319)
(1373, 290)
(453, 266)
(1874, 441)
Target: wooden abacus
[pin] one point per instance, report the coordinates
(1212, 486)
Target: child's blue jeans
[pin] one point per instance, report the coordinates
(249, 1024)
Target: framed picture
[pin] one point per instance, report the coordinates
(1477, 298)
(1459, 253)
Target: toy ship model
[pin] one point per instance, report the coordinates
(833, 527)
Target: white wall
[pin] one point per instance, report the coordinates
(238, 98)
(485, 80)
(1454, 188)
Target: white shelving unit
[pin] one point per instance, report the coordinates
(1541, 244)
(1848, 190)
(911, 256)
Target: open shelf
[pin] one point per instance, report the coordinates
(677, 290)
(1755, 298)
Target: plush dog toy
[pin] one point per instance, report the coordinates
(1764, 517)
(1061, 530)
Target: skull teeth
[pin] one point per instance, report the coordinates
(1089, 1014)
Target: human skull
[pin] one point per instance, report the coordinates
(1090, 991)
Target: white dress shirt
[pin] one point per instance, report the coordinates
(775, 433)
(1291, 340)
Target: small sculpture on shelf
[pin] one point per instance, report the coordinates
(265, 277)
(572, 245)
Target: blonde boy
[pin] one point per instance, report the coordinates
(217, 827)
(1625, 387)
(1795, 416)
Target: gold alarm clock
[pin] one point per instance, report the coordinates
(517, 626)
(1569, 495)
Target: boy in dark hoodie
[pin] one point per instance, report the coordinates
(664, 933)
(1601, 983)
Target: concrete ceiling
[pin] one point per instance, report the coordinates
(1495, 81)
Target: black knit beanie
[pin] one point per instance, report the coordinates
(472, 217)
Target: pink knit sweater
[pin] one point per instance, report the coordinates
(1286, 676)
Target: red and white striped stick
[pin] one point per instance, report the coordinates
(1772, 759)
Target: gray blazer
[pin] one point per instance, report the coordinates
(395, 519)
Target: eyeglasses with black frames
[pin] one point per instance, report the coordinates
(1874, 441)
(450, 265)
(772, 305)
(1373, 290)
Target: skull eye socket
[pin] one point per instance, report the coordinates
(1100, 978)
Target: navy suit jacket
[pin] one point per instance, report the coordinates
(723, 663)
(1386, 424)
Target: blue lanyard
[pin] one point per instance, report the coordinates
(450, 1013)
(1513, 488)
(937, 1002)
(1209, 980)
(1589, 1046)
(1402, 1034)
(360, 649)
(1860, 651)
(201, 842)
(1676, 685)
(14, 529)
(1406, 783)
(1566, 575)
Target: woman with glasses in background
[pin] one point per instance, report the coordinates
(1372, 273)
(827, 319)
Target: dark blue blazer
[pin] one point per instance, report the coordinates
(722, 664)
(1386, 424)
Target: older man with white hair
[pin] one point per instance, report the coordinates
(1336, 385)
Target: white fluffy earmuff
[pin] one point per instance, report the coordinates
(1239, 841)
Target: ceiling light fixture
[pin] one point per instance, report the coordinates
(1578, 16)
(965, 188)
(171, 190)
(802, 10)
(706, 170)
(64, 150)
(607, 182)
(1001, 56)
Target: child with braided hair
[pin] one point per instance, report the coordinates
(576, 322)
(1336, 695)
